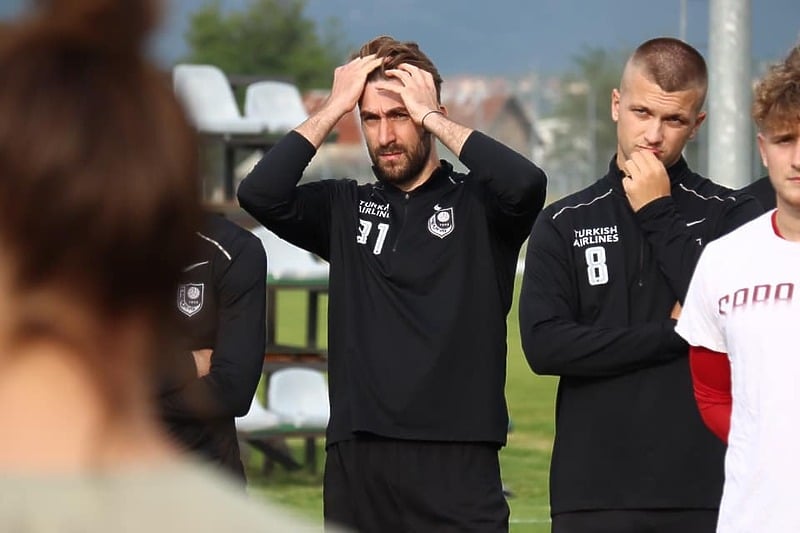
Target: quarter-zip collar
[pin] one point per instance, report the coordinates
(439, 178)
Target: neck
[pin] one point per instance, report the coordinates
(788, 221)
(48, 396)
(427, 171)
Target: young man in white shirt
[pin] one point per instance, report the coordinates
(740, 316)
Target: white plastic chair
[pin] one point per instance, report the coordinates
(277, 105)
(257, 418)
(288, 262)
(299, 396)
(208, 99)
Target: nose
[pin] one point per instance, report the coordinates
(386, 135)
(653, 134)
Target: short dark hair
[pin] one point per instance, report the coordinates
(776, 99)
(672, 64)
(397, 52)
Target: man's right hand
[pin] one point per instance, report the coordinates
(675, 314)
(646, 180)
(349, 81)
(348, 86)
(202, 360)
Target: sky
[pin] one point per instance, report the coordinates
(508, 37)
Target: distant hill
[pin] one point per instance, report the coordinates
(508, 37)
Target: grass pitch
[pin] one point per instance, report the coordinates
(524, 461)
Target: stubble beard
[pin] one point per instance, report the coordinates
(408, 168)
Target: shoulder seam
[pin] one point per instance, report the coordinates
(215, 243)
(576, 206)
(714, 197)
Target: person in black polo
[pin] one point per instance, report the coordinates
(422, 265)
(221, 306)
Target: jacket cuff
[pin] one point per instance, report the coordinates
(658, 208)
(672, 341)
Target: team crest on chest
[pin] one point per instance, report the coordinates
(190, 298)
(441, 222)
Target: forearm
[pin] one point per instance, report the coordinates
(215, 396)
(175, 372)
(226, 391)
(554, 338)
(271, 184)
(318, 126)
(676, 247)
(564, 348)
(519, 185)
(451, 134)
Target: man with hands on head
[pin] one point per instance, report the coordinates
(422, 265)
(606, 270)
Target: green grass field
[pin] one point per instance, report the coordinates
(524, 460)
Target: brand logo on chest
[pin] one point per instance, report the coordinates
(593, 236)
(442, 222)
(190, 298)
(760, 295)
(373, 209)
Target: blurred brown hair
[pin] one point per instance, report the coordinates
(397, 52)
(97, 165)
(776, 101)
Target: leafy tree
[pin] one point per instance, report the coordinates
(270, 38)
(586, 137)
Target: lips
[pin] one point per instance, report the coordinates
(390, 155)
(654, 151)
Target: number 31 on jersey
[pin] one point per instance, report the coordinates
(365, 228)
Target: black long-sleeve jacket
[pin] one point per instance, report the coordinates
(221, 304)
(599, 284)
(420, 285)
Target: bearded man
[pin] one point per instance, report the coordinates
(422, 266)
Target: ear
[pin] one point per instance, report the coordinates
(443, 109)
(615, 104)
(701, 117)
(762, 149)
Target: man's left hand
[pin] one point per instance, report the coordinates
(417, 90)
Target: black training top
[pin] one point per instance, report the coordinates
(763, 191)
(221, 304)
(599, 285)
(420, 285)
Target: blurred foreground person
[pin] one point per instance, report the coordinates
(97, 212)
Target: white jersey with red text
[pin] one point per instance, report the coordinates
(744, 301)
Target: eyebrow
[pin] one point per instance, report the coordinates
(782, 136)
(394, 111)
(677, 116)
(673, 116)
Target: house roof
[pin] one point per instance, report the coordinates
(347, 130)
(469, 101)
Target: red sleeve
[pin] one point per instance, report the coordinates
(711, 378)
